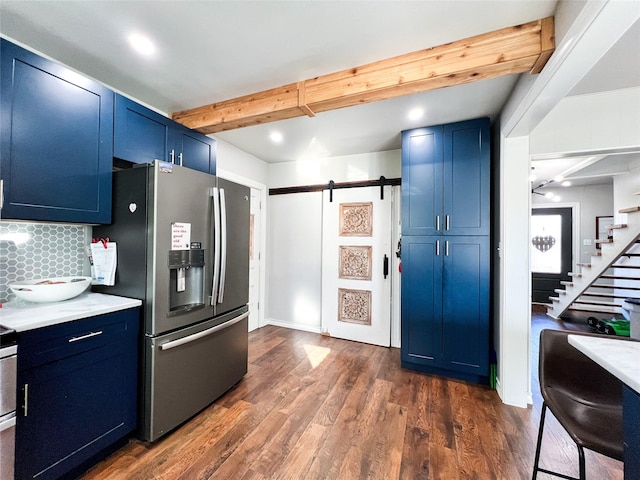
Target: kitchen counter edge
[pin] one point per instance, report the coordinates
(620, 357)
(22, 316)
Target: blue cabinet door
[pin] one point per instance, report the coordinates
(195, 150)
(422, 164)
(446, 179)
(631, 416)
(77, 393)
(421, 301)
(465, 304)
(56, 141)
(140, 134)
(466, 178)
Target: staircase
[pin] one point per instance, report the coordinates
(613, 274)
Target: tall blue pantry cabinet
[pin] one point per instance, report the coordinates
(445, 249)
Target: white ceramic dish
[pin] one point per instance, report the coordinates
(50, 289)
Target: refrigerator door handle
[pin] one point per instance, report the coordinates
(204, 333)
(223, 245)
(216, 246)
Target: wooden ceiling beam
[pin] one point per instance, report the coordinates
(512, 50)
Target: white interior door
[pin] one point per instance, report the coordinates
(356, 238)
(254, 260)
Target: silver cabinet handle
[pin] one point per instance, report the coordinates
(180, 158)
(84, 337)
(446, 221)
(1, 194)
(446, 248)
(25, 405)
(204, 333)
(173, 156)
(438, 223)
(438, 248)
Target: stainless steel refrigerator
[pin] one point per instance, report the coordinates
(182, 241)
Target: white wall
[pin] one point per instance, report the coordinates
(626, 189)
(294, 261)
(294, 238)
(594, 200)
(513, 310)
(366, 166)
(590, 123)
(240, 163)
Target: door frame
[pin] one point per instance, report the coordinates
(262, 241)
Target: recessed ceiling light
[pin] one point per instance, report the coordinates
(549, 195)
(558, 178)
(566, 183)
(557, 198)
(276, 137)
(416, 113)
(141, 44)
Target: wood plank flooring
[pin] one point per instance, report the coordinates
(314, 407)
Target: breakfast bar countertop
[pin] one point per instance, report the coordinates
(619, 357)
(21, 315)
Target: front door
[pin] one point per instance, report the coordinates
(356, 262)
(551, 252)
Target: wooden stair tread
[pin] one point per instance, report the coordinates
(580, 264)
(629, 210)
(568, 284)
(604, 240)
(574, 274)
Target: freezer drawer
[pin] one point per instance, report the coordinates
(190, 368)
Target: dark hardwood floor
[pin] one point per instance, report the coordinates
(314, 407)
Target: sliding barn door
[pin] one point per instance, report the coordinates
(356, 262)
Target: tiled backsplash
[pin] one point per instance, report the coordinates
(40, 250)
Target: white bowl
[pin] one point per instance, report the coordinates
(51, 289)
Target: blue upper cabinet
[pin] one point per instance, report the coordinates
(194, 150)
(467, 177)
(422, 168)
(56, 141)
(142, 136)
(445, 179)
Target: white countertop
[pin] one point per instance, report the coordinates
(21, 315)
(620, 357)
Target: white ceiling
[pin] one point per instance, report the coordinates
(210, 51)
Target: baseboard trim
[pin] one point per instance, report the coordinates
(292, 326)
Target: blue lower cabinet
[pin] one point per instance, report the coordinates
(77, 394)
(631, 413)
(56, 141)
(445, 305)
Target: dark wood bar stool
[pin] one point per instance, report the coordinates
(583, 396)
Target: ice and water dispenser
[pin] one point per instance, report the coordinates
(186, 280)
